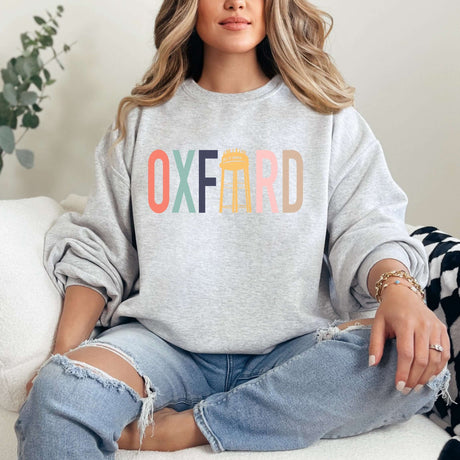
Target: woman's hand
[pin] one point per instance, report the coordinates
(30, 384)
(403, 314)
(57, 350)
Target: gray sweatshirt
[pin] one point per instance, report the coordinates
(228, 223)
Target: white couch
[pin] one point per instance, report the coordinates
(29, 311)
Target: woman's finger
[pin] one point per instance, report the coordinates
(405, 348)
(435, 360)
(421, 357)
(445, 343)
(29, 384)
(28, 388)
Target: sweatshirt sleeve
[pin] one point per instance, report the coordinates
(366, 215)
(97, 248)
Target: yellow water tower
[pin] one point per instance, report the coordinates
(235, 160)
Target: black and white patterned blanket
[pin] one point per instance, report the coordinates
(443, 298)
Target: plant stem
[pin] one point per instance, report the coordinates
(55, 55)
(22, 135)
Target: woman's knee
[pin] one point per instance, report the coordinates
(111, 362)
(62, 378)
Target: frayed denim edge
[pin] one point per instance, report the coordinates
(442, 386)
(331, 331)
(147, 411)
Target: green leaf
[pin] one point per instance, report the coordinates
(12, 73)
(5, 112)
(39, 20)
(20, 69)
(60, 8)
(6, 139)
(25, 157)
(20, 110)
(4, 107)
(9, 94)
(28, 98)
(37, 81)
(50, 82)
(25, 40)
(3, 103)
(37, 108)
(12, 121)
(55, 22)
(9, 75)
(66, 48)
(28, 51)
(23, 87)
(47, 74)
(46, 40)
(5, 76)
(30, 120)
(32, 65)
(50, 30)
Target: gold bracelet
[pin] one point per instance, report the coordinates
(399, 274)
(398, 283)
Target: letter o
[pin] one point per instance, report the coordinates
(158, 155)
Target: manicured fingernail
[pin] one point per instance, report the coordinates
(431, 378)
(371, 360)
(418, 387)
(406, 391)
(400, 386)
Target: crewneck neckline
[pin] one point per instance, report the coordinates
(194, 89)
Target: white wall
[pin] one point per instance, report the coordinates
(402, 58)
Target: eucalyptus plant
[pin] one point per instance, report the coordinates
(20, 102)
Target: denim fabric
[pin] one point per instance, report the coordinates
(314, 386)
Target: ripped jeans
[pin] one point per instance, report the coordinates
(314, 386)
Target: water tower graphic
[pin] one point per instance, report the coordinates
(235, 160)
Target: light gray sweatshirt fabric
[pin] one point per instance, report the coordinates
(308, 206)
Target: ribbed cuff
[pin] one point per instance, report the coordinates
(391, 250)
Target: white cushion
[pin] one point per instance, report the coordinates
(418, 438)
(30, 305)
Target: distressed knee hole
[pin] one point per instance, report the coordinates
(81, 369)
(146, 415)
(108, 365)
(331, 332)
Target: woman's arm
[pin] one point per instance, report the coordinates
(81, 310)
(97, 248)
(367, 237)
(383, 266)
(403, 314)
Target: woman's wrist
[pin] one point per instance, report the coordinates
(402, 276)
(398, 287)
(63, 347)
(381, 267)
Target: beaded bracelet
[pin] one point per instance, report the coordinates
(379, 286)
(398, 283)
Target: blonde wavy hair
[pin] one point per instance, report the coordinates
(293, 47)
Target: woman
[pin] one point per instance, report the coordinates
(243, 232)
